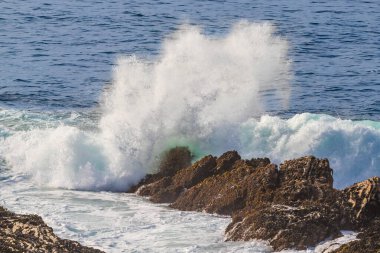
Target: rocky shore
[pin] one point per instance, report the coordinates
(29, 233)
(293, 206)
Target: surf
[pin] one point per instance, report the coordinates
(210, 93)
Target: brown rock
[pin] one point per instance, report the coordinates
(230, 188)
(364, 200)
(369, 240)
(196, 173)
(171, 161)
(167, 189)
(308, 168)
(29, 233)
(284, 226)
(259, 162)
(220, 194)
(148, 179)
(305, 178)
(154, 187)
(226, 161)
(295, 206)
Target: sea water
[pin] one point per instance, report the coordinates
(91, 93)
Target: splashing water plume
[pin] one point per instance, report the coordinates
(204, 92)
(207, 93)
(198, 86)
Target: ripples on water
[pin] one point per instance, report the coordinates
(59, 55)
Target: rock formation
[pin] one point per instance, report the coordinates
(29, 233)
(294, 206)
(364, 201)
(369, 240)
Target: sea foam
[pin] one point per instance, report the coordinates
(208, 93)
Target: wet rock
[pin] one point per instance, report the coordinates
(364, 200)
(29, 233)
(222, 194)
(155, 187)
(226, 161)
(148, 179)
(171, 161)
(295, 206)
(305, 178)
(167, 189)
(284, 226)
(259, 162)
(307, 169)
(196, 173)
(368, 240)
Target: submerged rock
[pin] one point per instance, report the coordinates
(295, 206)
(28, 233)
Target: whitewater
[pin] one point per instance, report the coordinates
(210, 93)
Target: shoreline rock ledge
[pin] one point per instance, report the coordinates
(29, 233)
(293, 206)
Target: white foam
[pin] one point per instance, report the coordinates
(328, 245)
(197, 86)
(116, 222)
(197, 89)
(203, 92)
(352, 147)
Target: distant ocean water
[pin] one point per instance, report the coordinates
(91, 92)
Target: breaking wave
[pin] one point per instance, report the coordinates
(204, 92)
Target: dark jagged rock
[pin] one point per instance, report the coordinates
(226, 161)
(224, 193)
(193, 175)
(364, 200)
(29, 233)
(295, 206)
(167, 190)
(171, 161)
(306, 178)
(283, 226)
(369, 240)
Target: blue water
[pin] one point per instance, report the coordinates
(114, 83)
(59, 55)
(92, 92)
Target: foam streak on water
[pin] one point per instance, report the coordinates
(119, 223)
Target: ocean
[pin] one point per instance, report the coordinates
(92, 92)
